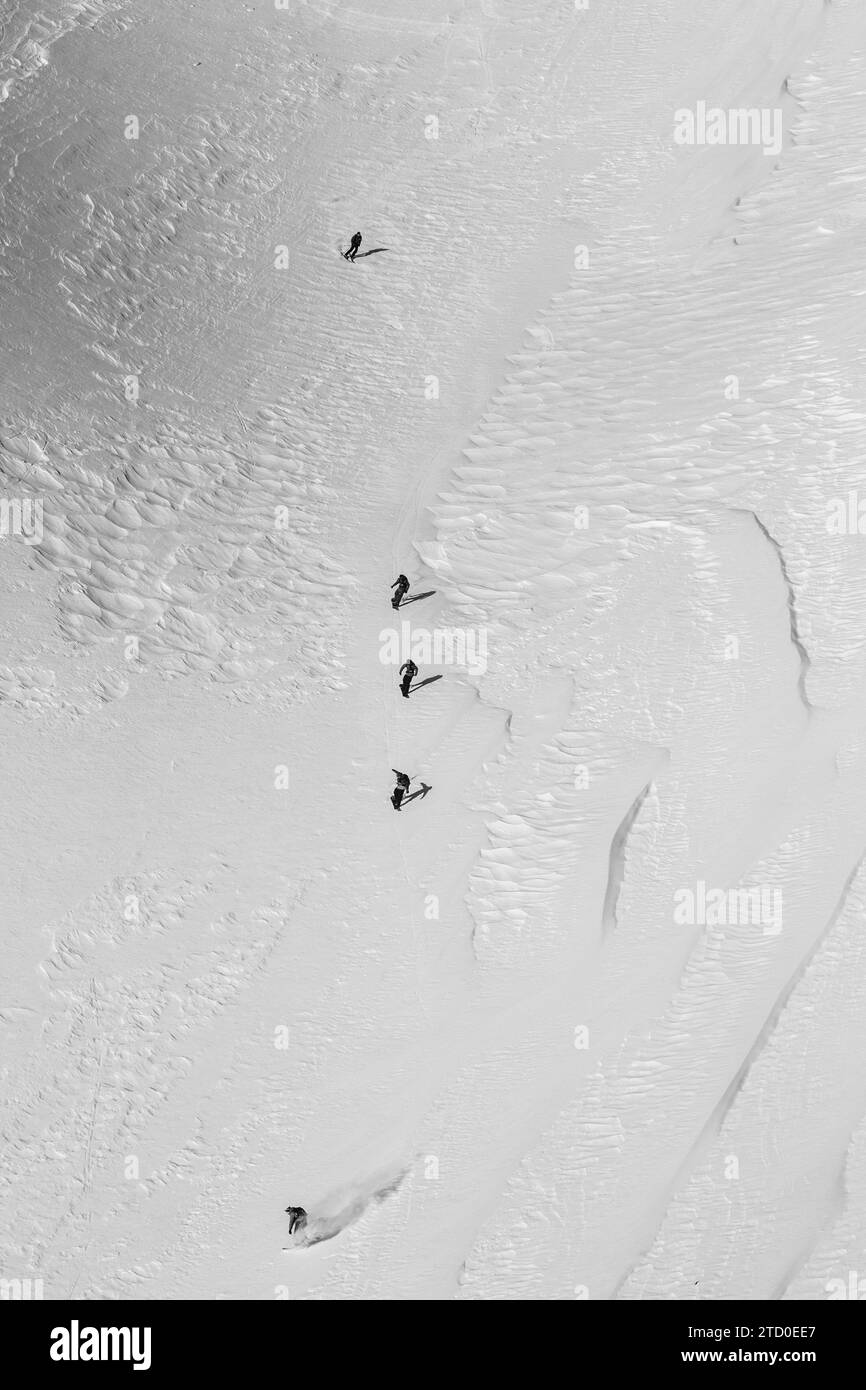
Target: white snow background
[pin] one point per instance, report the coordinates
(600, 394)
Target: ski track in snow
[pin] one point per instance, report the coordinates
(472, 1040)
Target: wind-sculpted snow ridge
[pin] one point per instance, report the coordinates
(33, 690)
(587, 443)
(144, 1036)
(616, 871)
(558, 1231)
(805, 663)
(202, 558)
(798, 1073)
(629, 444)
(27, 39)
(834, 1267)
(608, 1150)
(524, 886)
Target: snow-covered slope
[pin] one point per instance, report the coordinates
(600, 393)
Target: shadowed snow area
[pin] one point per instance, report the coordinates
(586, 1019)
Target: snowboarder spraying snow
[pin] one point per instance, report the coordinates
(411, 672)
(403, 780)
(297, 1219)
(353, 247)
(401, 585)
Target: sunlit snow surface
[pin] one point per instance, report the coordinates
(601, 393)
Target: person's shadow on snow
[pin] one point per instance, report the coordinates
(424, 789)
(416, 597)
(428, 681)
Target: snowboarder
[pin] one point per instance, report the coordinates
(403, 780)
(401, 584)
(297, 1219)
(353, 247)
(411, 672)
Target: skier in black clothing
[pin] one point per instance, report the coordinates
(297, 1219)
(403, 780)
(353, 247)
(411, 672)
(401, 584)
